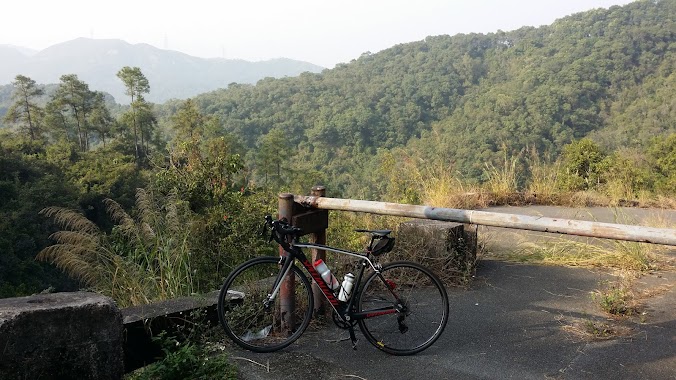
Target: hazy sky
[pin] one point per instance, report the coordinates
(318, 31)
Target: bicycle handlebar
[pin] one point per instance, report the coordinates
(280, 229)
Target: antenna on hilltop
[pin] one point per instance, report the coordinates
(91, 33)
(166, 42)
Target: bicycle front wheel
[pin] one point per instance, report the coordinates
(255, 322)
(421, 301)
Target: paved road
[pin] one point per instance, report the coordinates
(499, 239)
(513, 322)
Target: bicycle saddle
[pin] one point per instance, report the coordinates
(375, 232)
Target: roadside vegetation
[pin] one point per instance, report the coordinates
(577, 113)
(145, 202)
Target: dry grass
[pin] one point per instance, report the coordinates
(450, 253)
(591, 330)
(502, 181)
(140, 261)
(542, 184)
(595, 253)
(438, 186)
(617, 297)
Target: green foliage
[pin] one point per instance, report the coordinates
(583, 165)
(208, 177)
(616, 299)
(76, 114)
(24, 111)
(141, 260)
(135, 83)
(27, 184)
(140, 117)
(186, 360)
(271, 158)
(662, 153)
(442, 121)
(461, 101)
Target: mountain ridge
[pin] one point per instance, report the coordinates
(171, 74)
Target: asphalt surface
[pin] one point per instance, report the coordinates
(513, 322)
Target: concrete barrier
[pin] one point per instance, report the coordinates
(60, 336)
(449, 249)
(143, 322)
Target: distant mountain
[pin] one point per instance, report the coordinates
(171, 74)
(23, 50)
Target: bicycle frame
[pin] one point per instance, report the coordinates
(342, 309)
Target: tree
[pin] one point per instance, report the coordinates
(662, 153)
(73, 97)
(583, 165)
(188, 122)
(135, 82)
(100, 119)
(24, 110)
(273, 152)
(136, 85)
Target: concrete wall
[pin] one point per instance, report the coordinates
(60, 336)
(448, 248)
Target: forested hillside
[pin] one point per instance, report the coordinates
(608, 74)
(173, 194)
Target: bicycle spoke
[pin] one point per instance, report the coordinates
(425, 309)
(249, 322)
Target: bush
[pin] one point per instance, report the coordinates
(186, 360)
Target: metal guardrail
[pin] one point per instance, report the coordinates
(642, 234)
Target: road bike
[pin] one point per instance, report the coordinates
(266, 303)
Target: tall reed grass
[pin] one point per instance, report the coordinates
(143, 259)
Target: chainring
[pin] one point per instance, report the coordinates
(342, 324)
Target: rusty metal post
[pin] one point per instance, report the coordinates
(319, 238)
(288, 289)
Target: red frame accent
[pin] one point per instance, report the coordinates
(320, 281)
(378, 313)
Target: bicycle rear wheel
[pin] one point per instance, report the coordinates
(256, 326)
(423, 305)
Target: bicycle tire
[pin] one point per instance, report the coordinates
(245, 318)
(425, 312)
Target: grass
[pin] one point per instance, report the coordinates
(522, 178)
(594, 330)
(143, 259)
(616, 299)
(187, 360)
(596, 252)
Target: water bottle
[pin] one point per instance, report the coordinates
(346, 288)
(326, 274)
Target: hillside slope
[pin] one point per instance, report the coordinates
(465, 99)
